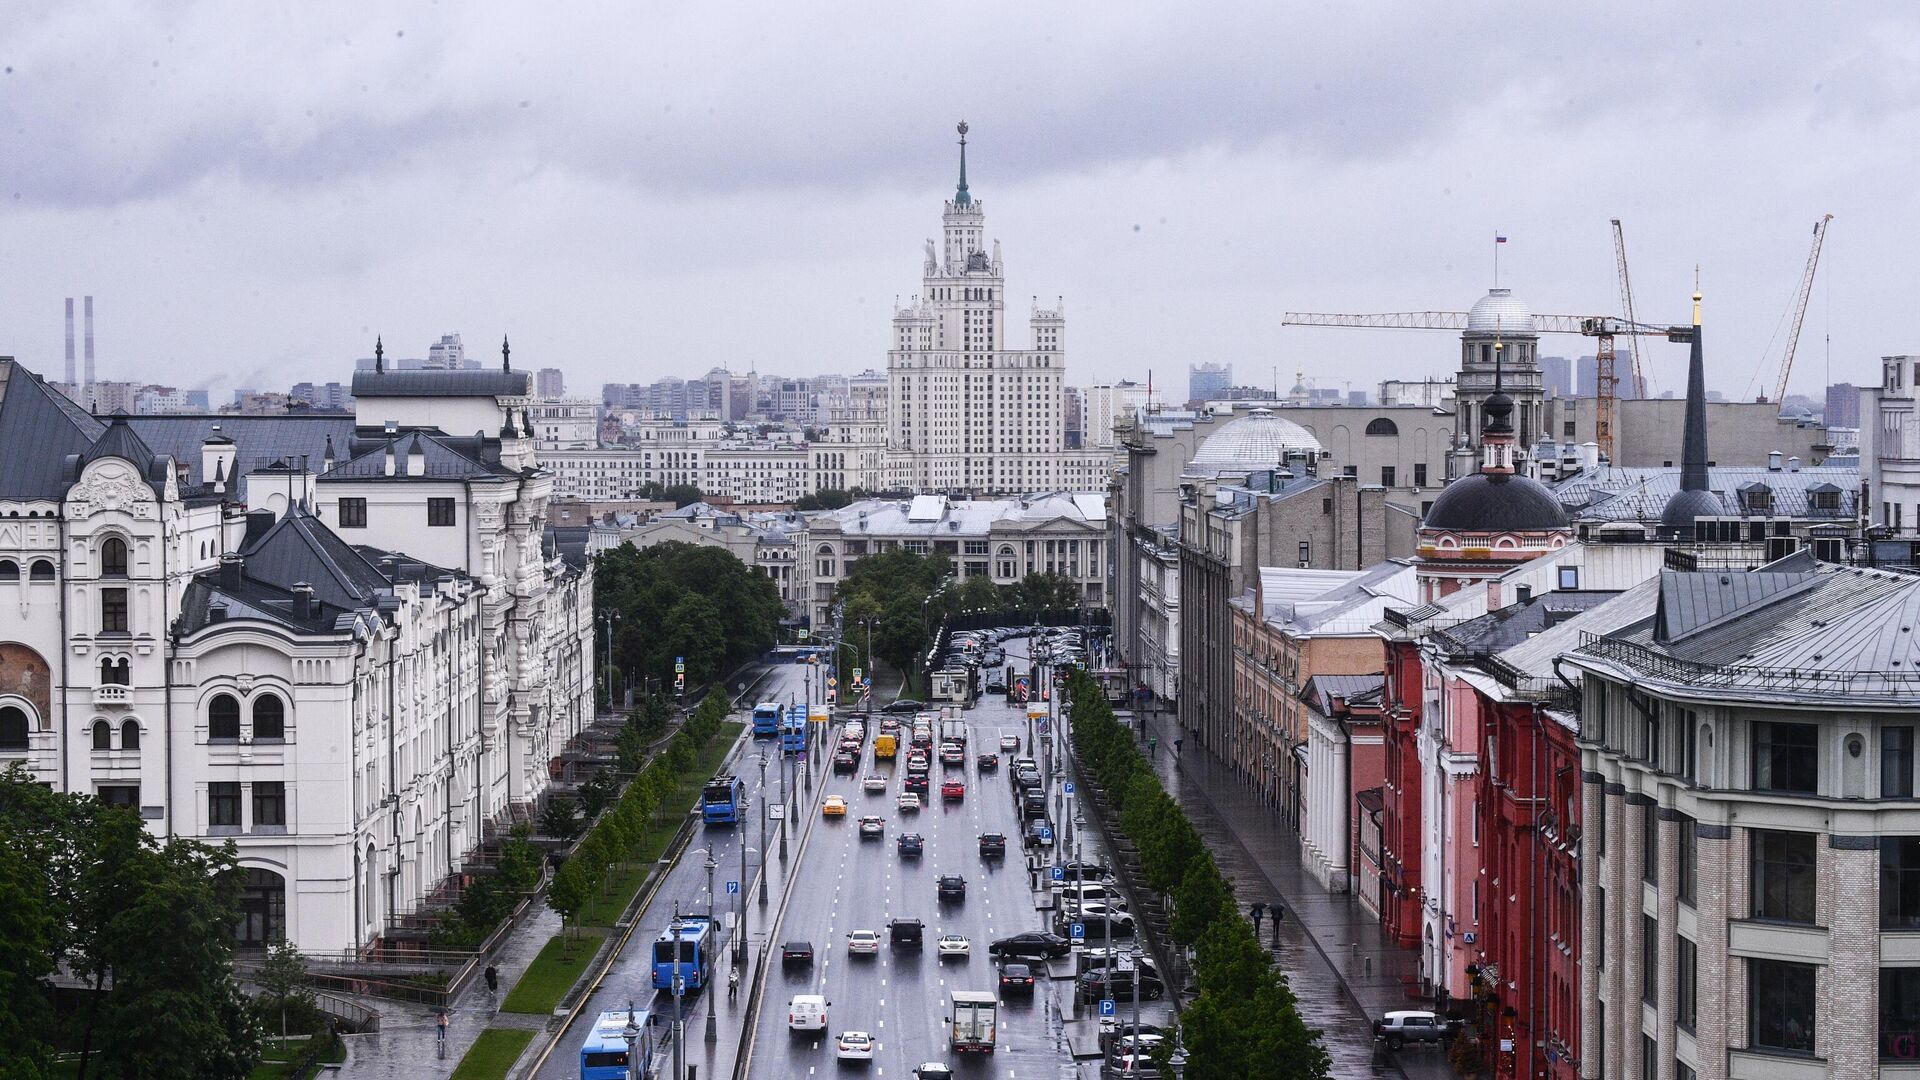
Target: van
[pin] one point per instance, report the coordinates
(906, 933)
(807, 1012)
(885, 746)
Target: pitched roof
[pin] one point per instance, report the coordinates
(298, 548)
(444, 458)
(258, 441)
(39, 429)
(1640, 493)
(1321, 690)
(1691, 601)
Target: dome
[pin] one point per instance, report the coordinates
(1495, 503)
(1685, 508)
(1251, 443)
(1500, 312)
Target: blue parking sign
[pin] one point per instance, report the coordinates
(1059, 873)
(1046, 832)
(1078, 931)
(1106, 1007)
(1068, 787)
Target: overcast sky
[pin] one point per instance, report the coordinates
(252, 191)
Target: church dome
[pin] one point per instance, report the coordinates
(1495, 503)
(1259, 440)
(1500, 312)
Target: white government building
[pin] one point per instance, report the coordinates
(346, 644)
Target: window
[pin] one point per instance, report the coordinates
(269, 718)
(1567, 429)
(439, 511)
(223, 805)
(42, 570)
(1786, 757)
(1649, 960)
(1380, 425)
(1900, 882)
(269, 802)
(102, 735)
(223, 719)
(130, 735)
(9, 570)
(1826, 500)
(353, 513)
(1900, 1013)
(1306, 553)
(1780, 996)
(13, 729)
(1387, 475)
(1569, 577)
(125, 796)
(113, 611)
(1783, 875)
(1688, 858)
(1896, 763)
(1649, 1056)
(1683, 1071)
(113, 557)
(1650, 845)
(1350, 470)
(1687, 960)
(1419, 474)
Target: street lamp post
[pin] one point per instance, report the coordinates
(713, 1030)
(631, 1033)
(763, 828)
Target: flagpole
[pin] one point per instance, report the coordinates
(1496, 260)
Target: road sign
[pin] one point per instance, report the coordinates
(1078, 931)
(1067, 787)
(1059, 873)
(680, 681)
(1043, 725)
(856, 675)
(1107, 1007)
(679, 664)
(1046, 832)
(802, 635)
(733, 888)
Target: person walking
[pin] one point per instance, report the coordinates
(1259, 911)
(493, 979)
(440, 1023)
(1278, 913)
(1153, 746)
(733, 984)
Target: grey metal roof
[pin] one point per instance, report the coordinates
(1691, 601)
(298, 548)
(442, 383)
(120, 441)
(39, 429)
(1506, 627)
(443, 458)
(1321, 690)
(258, 441)
(1641, 494)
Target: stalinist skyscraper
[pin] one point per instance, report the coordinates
(965, 413)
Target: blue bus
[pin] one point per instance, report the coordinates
(793, 730)
(604, 1055)
(723, 800)
(686, 948)
(766, 719)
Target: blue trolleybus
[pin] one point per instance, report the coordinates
(723, 800)
(766, 719)
(686, 948)
(604, 1056)
(793, 730)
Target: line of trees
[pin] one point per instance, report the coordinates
(612, 839)
(893, 589)
(147, 927)
(685, 600)
(1244, 1023)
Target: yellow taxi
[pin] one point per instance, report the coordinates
(834, 806)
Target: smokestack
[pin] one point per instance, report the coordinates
(72, 375)
(89, 353)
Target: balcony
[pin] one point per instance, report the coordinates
(114, 696)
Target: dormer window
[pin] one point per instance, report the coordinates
(1758, 498)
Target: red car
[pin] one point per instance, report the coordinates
(953, 789)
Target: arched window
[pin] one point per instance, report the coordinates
(42, 570)
(269, 718)
(113, 557)
(130, 735)
(1380, 425)
(13, 729)
(223, 718)
(116, 672)
(9, 570)
(102, 735)
(263, 909)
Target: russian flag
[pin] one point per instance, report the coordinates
(1498, 239)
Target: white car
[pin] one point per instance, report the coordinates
(953, 945)
(1009, 742)
(908, 801)
(932, 1070)
(875, 783)
(854, 1046)
(863, 943)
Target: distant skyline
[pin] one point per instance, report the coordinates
(251, 194)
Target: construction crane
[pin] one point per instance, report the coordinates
(1800, 307)
(1602, 328)
(1626, 305)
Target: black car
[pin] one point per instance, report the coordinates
(1016, 979)
(952, 888)
(1033, 805)
(1039, 834)
(796, 954)
(1095, 985)
(906, 933)
(1084, 871)
(846, 761)
(916, 782)
(1031, 945)
(988, 762)
(993, 846)
(905, 705)
(911, 845)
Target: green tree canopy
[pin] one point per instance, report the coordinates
(688, 600)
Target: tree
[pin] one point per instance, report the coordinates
(824, 499)
(1045, 592)
(598, 792)
(27, 949)
(560, 819)
(284, 976)
(1203, 896)
(567, 893)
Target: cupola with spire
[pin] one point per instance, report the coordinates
(1693, 501)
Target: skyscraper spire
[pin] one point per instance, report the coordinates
(960, 195)
(1693, 501)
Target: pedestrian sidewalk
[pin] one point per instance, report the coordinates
(1376, 975)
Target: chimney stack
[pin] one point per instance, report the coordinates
(303, 601)
(89, 352)
(73, 374)
(230, 566)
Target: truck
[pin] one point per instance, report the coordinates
(973, 1021)
(952, 728)
(885, 746)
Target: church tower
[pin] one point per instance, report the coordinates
(1500, 323)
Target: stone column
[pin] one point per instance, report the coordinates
(1633, 931)
(1667, 908)
(1718, 879)
(1846, 1029)
(1592, 1037)
(1619, 1009)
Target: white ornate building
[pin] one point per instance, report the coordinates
(965, 413)
(346, 644)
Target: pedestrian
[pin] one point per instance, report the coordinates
(1259, 912)
(733, 984)
(1177, 744)
(493, 979)
(440, 1022)
(1153, 746)
(1278, 914)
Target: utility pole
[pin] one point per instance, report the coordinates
(763, 827)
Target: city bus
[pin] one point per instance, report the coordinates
(604, 1055)
(766, 719)
(686, 948)
(793, 730)
(723, 800)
